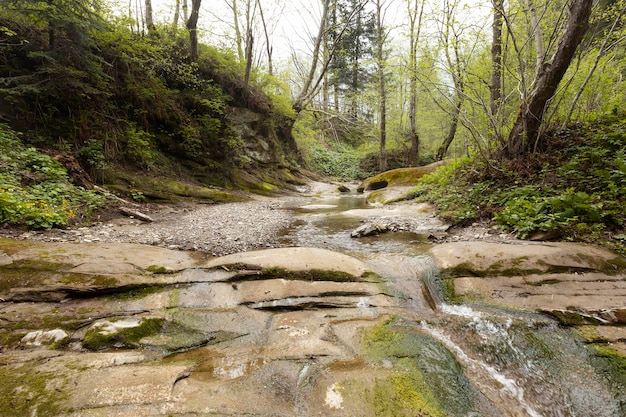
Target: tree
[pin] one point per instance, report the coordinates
(192, 27)
(149, 19)
(354, 47)
(496, 59)
(381, 38)
(525, 131)
(415, 14)
(451, 38)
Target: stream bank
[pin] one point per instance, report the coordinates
(325, 325)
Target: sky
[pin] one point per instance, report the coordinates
(292, 23)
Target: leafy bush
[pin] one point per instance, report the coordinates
(529, 215)
(35, 190)
(576, 188)
(343, 165)
(457, 199)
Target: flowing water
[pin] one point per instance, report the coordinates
(513, 363)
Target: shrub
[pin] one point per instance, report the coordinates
(35, 190)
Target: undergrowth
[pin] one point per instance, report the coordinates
(35, 189)
(574, 189)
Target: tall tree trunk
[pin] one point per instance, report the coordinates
(539, 52)
(454, 123)
(268, 44)
(149, 20)
(185, 10)
(238, 37)
(305, 94)
(415, 25)
(176, 13)
(525, 131)
(456, 71)
(496, 59)
(192, 26)
(249, 49)
(380, 57)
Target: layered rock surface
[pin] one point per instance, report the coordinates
(580, 285)
(104, 329)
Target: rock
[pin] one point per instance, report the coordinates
(369, 229)
(399, 176)
(343, 189)
(51, 338)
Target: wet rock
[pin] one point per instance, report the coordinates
(369, 229)
(343, 189)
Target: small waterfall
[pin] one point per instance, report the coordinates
(510, 390)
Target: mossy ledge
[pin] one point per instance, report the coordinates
(252, 273)
(100, 338)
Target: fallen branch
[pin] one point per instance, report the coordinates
(136, 214)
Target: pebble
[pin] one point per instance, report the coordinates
(219, 229)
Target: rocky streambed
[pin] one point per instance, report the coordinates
(479, 325)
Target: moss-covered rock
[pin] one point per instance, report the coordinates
(123, 333)
(397, 177)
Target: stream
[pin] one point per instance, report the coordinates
(482, 360)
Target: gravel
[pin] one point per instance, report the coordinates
(218, 229)
(222, 229)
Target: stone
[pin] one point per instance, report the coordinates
(45, 338)
(369, 229)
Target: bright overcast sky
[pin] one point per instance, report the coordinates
(292, 23)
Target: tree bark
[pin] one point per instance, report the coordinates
(415, 25)
(149, 20)
(249, 50)
(380, 57)
(192, 26)
(496, 59)
(525, 131)
(176, 13)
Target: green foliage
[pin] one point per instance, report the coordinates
(139, 147)
(576, 189)
(457, 200)
(35, 190)
(527, 215)
(341, 164)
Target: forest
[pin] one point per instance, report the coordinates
(524, 99)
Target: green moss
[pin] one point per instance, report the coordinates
(165, 189)
(157, 269)
(93, 280)
(12, 246)
(313, 275)
(428, 380)
(28, 391)
(136, 293)
(401, 176)
(30, 272)
(97, 339)
(403, 395)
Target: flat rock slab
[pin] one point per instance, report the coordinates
(111, 258)
(295, 259)
(487, 258)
